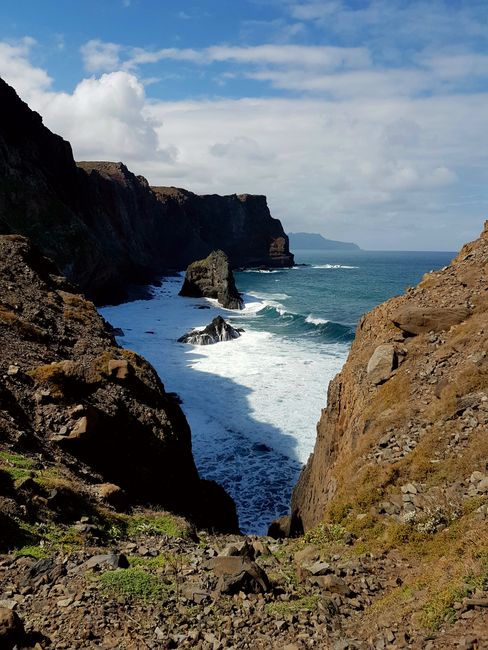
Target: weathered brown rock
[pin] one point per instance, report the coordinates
(237, 573)
(212, 278)
(414, 319)
(382, 363)
(442, 378)
(12, 631)
(77, 400)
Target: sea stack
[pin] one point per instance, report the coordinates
(218, 330)
(212, 278)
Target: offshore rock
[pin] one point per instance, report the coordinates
(212, 278)
(93, 408)
(217, 330)
(105, 227)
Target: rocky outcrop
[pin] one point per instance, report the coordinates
(105, 227)
(218, 330)
(212, 278)
(71, 396)
(411, 400)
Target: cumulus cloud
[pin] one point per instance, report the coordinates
(16, 68)
(98, 55)
(336, 161)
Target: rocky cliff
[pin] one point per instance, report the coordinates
(401, 456)
(72, 398)
(212, 278)
(105, 227)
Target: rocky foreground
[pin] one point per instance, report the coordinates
(394, 552)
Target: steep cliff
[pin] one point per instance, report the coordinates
(212, 278)
(105, 227)
(401, 456)
(72, 397)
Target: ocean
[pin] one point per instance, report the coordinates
(253, 403)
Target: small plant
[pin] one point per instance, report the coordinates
(134, 583)
(305, 603)
(324, 534)
(156, 525)
(18, 467)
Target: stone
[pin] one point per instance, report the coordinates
(332, 584)
(382, 363)
(212, 278)
(13, 370)
(319, 568)
(239, 574)
(111, 560)
(11, 629)
(113, 495)
(483, 485)
(280, 528)
(218, 330)
(119, 369)
(415, 320)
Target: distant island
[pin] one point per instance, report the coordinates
(312, 240)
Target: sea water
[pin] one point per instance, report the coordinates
(253, 403)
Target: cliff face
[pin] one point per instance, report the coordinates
(105, 227)
(71, 395)
(410, 405)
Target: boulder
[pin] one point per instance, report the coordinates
(381, 364)
(237, 573)
(12, 632)
(218, 330)
(415, 320)
(212, 278)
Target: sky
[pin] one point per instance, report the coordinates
(362, 120)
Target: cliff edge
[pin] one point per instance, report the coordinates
(401, 456)
(105, 227)
(92, 412)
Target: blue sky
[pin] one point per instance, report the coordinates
(363, 120)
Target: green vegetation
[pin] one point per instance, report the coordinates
(135, 583)
(304, 603)
(18, 467)
(151, 524)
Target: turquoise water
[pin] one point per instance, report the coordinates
(253, 403)
(324, 300)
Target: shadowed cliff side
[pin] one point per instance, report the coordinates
(105, 227)
(73, 398)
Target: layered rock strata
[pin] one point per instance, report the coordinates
(71, 395)
(106, 227)
(212, 278)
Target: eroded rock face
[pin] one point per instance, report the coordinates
(79, 399)
(212, 278)
(218, 330)
(414, 420)
(104, 226)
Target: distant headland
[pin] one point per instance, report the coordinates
(312, 240)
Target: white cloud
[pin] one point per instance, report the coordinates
(385, 168)
(104, 118)
(98, 55)
(17, 70)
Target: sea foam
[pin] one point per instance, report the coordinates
(252, 403)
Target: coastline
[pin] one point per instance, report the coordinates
(252, 403)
